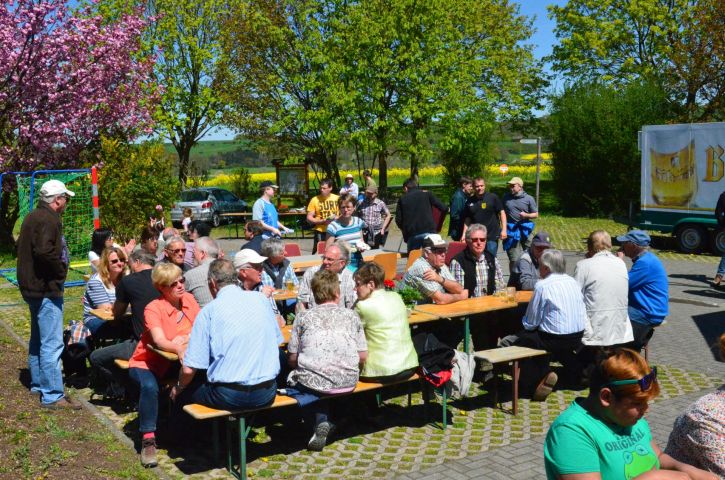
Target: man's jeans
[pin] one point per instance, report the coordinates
(721, 267)
(492, 246)
(221, 395)
(416, 241)
(45, 348)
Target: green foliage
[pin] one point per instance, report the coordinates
(594, 131)
(133, 180)
(242, 184)
(410, 295)
(466, 156)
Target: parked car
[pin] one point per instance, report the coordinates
(207, 205)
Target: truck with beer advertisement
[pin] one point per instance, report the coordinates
(682, 178)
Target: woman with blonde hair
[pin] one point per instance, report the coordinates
(605, 434)
(101, 292)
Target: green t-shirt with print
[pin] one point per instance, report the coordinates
(578, 442)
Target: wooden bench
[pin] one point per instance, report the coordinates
(509, 355)
(201, 412)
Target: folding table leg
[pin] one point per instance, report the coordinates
(215, 438)
(466, 334)
(515, 375)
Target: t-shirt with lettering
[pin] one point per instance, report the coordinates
(579, 442)
(323, 208)
(486, 211)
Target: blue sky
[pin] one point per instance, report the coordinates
(543, 39)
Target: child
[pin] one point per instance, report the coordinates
(188, 217)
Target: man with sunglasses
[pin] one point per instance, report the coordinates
(248, 264)
(521, 210)
(42, 268)
(175, 252)
(334, 259)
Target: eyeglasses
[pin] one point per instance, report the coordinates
(257, 267)
(439, 251)
(181, 281)
(478, 240)
(176, 250)
(331, 260)
(645, 383)
(116, 260)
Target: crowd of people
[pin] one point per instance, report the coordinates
(219, 316)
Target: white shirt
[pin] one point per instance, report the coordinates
(604, 282)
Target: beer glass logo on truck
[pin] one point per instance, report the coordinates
(674, 178)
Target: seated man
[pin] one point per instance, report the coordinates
(475, 267)
(239, 352)
(277, 271)
(206, 250)
(526, 271)
(326, 349)
(253, 232)
(554, 321)
(166, 234)
(248, 264)
(648, 288)
(334, 259)
(430, 276)
(174, 252)
(138, 290)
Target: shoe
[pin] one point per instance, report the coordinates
(34, 393)
(62, 404)
(148, 453)
(319, 438)
(546, 385)
(716, 282)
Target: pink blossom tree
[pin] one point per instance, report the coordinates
(65, 79)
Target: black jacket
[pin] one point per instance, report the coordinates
(42, 254)
(720, 210)
(414, 213)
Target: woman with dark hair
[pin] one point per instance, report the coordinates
(605, 434)
(101, 238)
(150, 240)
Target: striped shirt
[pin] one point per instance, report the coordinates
(481, 276)
(557, 306)
(235, 345)
(96, 294)
(350, 233)
(414, 277)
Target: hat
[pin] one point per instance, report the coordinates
(267, 183)
(638, 237)
(349, 175)
(371, 189)
(247, 257)
(54, 187)
(541, 239)
(434, 241)
(516, 180)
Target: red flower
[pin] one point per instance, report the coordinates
(389, 284)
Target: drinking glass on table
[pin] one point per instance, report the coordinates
(290, 286)
(511, 294)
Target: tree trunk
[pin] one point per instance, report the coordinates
(183, 150)
(383, 171)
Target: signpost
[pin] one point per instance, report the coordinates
(503, 168)
(537, 141)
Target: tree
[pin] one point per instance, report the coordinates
(64, 80)
(594, 143)
(678, 42)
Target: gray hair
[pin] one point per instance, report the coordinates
(207, 245)
(344, 250)
(142, 256)
(175, 239)
(223, 273)
(553, 260)
(272, 247)
(169, 233)
(475, 227)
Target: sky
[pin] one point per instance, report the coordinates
(542, 39)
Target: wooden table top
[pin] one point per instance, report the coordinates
(524, 296)
(508, 354)
(302, 262)
(103, 313)
(421, 317)
(285, 294)
(469, 306)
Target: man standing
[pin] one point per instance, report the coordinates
(369, 181)
(322, 210)
(486, 208)
(206, 250)
(458, 207)
(350, 187)
(648, 287)
(520, 209)
(525, 273)
(265, 211)
(42, 267)
(720, 217)
(414, 213)
(376, 216)
(334, 259)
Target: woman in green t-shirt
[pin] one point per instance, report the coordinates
(605, 435)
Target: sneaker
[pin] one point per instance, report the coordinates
(546, 385)
(319, 438)
(62, 404)
(148, 453)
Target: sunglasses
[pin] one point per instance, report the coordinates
(257, 267)
(180, 281)
(117, 260)
(177, 250)
(645, 383)
(478, 240)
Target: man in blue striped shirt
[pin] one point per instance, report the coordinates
(554, 321)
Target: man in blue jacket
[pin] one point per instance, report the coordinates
(648, 288)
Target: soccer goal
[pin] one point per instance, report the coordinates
(80, 217)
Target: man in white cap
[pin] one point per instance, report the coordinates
(350, 186)
(265, 211)
(521, 210)
(42, 267)
(248, 264)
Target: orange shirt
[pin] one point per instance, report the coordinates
(160, 313)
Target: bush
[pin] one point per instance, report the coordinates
(132, 180)
(594, 133)
(466, 155)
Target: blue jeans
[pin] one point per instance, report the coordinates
(148, 402)
(721, 267)
(416, 241)
(45, 348)
(492, 246)
(219, 395)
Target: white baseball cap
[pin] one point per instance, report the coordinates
(246, 257)
(54, 187)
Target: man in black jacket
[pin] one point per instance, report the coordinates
(414, 213)
(43, 260)
(720, 216)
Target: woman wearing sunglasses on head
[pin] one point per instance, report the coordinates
(605, 435)
(168, 321)
(101, 293)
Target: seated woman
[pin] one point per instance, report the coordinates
(101, 238)
(168, 321)
(347, 228)
(101, 293)
(698, 437)
(326, 348)
(391, 355)
(605, 435)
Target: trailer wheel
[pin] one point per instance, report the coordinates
(717, 242)
(690, 238)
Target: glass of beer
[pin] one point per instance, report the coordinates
(511, 294)
(290, 286)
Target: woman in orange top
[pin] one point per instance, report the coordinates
(168, 321)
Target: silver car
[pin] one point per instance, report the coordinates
(207, 204)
